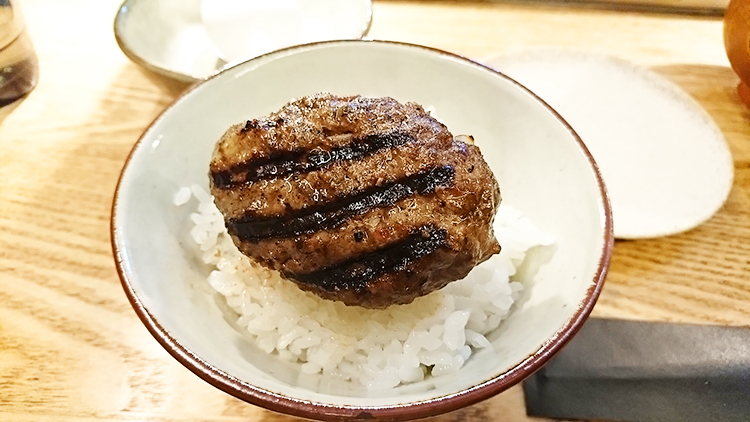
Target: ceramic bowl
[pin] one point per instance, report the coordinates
(173, 38)
(543, 168)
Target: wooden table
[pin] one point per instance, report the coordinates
(71, 347)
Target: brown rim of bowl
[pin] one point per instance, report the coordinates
(183, 77)
(415, 410)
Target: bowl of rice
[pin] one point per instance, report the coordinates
(254, 335)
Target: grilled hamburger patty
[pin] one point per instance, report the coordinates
(362, 200)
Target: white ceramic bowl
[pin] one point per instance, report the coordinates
(542, 166)
(190, 40)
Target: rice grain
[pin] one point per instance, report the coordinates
(380, 349)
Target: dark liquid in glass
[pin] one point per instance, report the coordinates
(19, 69)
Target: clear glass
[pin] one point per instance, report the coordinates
(19, 69)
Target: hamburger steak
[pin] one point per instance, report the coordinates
(362, 200)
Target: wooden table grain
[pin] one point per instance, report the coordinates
(72, 349)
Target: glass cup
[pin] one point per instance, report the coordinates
(19, 69)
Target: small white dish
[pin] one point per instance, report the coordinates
(243, 29)
(666, 163)
(543, 169)
(190, 40)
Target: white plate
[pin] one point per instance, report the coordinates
(243, 29)
(666, 164)
(542, 167)
(190, 40)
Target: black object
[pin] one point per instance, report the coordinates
(644, 371)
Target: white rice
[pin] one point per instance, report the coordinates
(434, 335)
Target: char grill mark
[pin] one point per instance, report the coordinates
(333, 214)
(284, 163)
(368, 220)
(355, 273)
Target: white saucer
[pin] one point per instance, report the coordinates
(666, 164)
(190, 40)
(243, 29)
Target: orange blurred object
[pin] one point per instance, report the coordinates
(737, 43)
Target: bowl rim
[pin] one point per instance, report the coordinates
(414, 410)
(176, 75)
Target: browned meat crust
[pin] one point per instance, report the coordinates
(362, 200)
